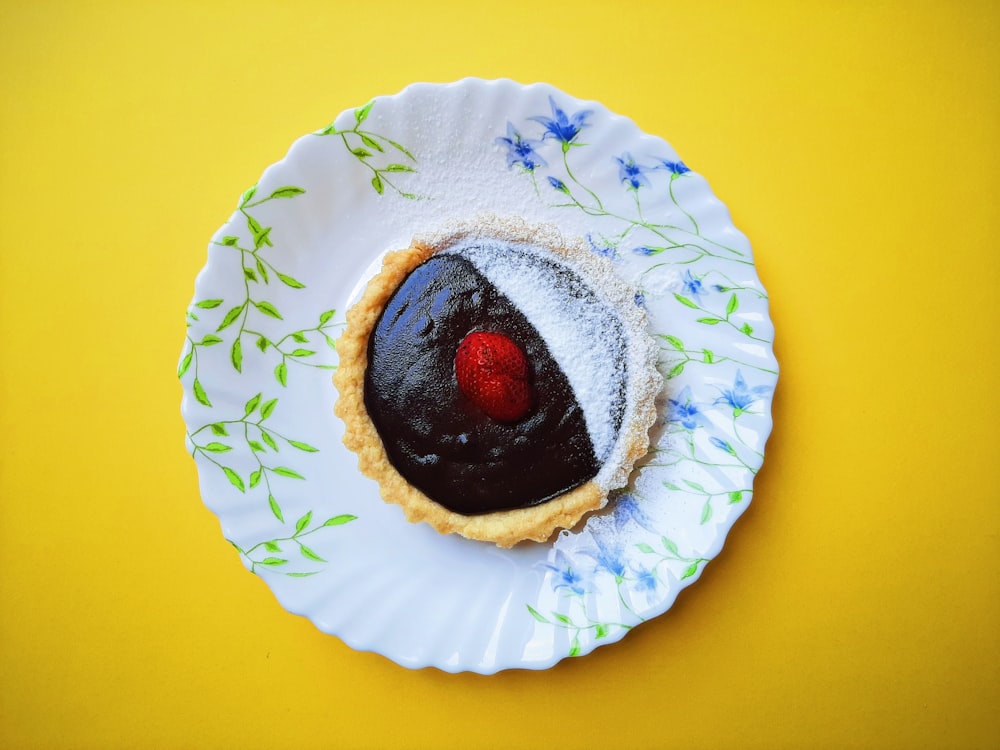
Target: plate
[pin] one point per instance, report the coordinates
(258, 357)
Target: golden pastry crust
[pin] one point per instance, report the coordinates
(504, 528)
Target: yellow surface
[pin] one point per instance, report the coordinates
(857, 603)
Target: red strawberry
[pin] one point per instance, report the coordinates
(492, 371)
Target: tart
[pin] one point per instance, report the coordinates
(497, 381)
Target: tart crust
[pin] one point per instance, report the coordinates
(508, 527)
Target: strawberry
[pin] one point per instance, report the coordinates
(492, 371)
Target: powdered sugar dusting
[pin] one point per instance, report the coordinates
(586, 315)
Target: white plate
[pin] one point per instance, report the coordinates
(257, 361)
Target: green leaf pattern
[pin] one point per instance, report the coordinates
(245, 325)
(239, 323)
(277, 456)
(290, 555)
(380, 155)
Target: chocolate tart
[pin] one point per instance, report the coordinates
(433, 446)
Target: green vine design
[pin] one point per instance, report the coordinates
(272, 554)
(679, 356)
(253, 432)
(673, 198)
(664, 232)
(290, 346)
(670, 457)
(712, 318)
(695, 488)
(369, 147)
(262, 442)
(190, 356)
(671, 554)
(732, 286)
(560, 620)
(258, 272)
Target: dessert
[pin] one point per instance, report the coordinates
(497, 381)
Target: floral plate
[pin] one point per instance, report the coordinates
(268, 306)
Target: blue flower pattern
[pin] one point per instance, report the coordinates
(608, 556)
(645, 579)
(603, 248)
(676, 168)
(741, 397)
(562, 127)
(546, 146)
(692, 285)
(565, 577)
(520, 150)
(630, 174)
(683, 411)
(629, 510)
(565, 127)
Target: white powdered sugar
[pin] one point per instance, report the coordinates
(586, 315)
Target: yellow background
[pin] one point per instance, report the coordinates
(856, 604)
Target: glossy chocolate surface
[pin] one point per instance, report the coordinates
(434, 436)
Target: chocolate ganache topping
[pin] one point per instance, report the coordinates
(437, 438)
